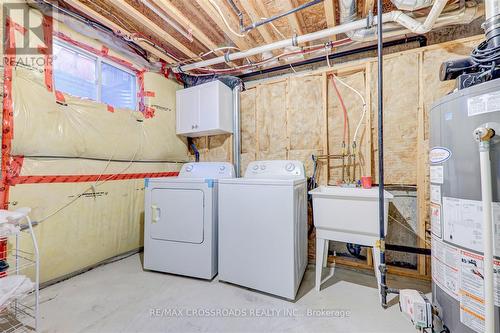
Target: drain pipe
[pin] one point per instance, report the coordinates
(236, 130)
(483, 136)
(395, 16)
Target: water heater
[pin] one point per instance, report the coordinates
(456, 206)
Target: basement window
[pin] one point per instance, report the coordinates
(82, 74)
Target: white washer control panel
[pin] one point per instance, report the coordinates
(278, 169)
(213, 170)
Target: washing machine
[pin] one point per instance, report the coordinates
(263, 228)
(180, 220)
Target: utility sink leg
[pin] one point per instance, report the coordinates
(325, 254)
(320, 255)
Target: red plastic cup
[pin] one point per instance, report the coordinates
(366, 182)
(3, 248)
(3, 253)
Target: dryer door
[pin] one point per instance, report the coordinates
(177, 214)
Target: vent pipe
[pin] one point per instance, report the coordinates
(491, 25)
(452, 14)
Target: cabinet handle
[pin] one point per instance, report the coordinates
(155, 212)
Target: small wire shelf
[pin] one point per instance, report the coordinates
(19, 257)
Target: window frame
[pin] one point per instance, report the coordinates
(99, 60)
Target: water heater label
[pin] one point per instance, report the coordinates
(436, 194)
(439, 155)
(485, 103)
(445, 267)
(437, 174)
(459, 273)
(462, 223)
(436, 219)
(472, 290)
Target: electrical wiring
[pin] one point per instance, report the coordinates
(274, 28)
(219, 49)
(304, 50)
(212, 2)
(95, 184)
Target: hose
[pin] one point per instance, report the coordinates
(344, 110)
(485, 56)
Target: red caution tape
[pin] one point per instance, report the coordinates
(146, 94)
(140, 81)
(49, 179)
(110, 108)
(47, 25)
(104, 50)
(7, 123)
(95, 51)
(60, 97)
(149, 112)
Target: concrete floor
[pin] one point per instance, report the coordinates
(121, 297)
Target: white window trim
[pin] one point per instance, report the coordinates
(99, 61)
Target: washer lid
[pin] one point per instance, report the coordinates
(212, 170)
(179, 180)
(278, 169)
(262, 181)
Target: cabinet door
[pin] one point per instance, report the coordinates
(209, 107)
(177, 215)
(188, 110)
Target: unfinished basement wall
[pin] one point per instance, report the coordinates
(80, 165)
(296, 116)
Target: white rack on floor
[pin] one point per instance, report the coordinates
(21, 313)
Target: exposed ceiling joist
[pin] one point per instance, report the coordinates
(117, 29)
(177, 15)
(330, 12)
(211, 12)
(293, 19)
(250, 9)
(153, 27)
(367, 6)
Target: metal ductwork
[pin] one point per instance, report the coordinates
(451, 15)
(492, 22)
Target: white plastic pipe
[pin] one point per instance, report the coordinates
(395, 16)
(236, 130)
(450, 16)
(486, 195)
(412, 4)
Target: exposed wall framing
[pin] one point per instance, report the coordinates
(297, 116)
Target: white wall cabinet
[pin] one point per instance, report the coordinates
(205, 109)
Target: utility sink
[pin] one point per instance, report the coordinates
(348, 210)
